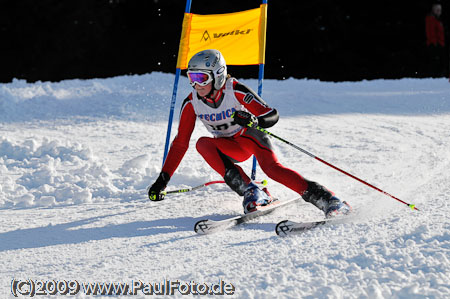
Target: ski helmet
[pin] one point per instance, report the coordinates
(212, 62)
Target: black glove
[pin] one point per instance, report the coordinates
(245, 119)
(154, 193)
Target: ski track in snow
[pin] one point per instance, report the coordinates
(77, 156)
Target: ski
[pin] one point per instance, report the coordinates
(287, 227)
(208, 226)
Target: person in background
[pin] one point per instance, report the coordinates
(435, 42)
(231, 111)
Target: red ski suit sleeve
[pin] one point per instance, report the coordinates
(180, 144)
(251, 101)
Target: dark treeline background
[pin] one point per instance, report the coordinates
(331, 40)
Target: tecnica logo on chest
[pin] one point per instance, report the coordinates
(217, 116)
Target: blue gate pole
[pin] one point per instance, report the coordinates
(172, 108)
(260, 86)
(174, 97)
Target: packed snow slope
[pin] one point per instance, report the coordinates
(77, 156)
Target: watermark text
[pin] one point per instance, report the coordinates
(33, 287)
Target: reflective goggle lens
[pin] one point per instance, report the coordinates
(199, 78)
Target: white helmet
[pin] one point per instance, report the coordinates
(212, 62)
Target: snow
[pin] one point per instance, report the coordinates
(77, 156)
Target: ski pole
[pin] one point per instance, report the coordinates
(263, 182)
(412, 206)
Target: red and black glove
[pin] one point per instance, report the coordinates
(245, 119)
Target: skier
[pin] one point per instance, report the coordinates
(231, 111)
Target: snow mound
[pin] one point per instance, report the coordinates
(52, 173)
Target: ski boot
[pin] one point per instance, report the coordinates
(325, 200)
(337, 207)
(255, 197)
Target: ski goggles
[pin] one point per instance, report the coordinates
(199, 77)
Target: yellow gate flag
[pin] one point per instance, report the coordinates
(239, 36)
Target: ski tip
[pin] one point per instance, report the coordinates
(282, 228)
(201, 227)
